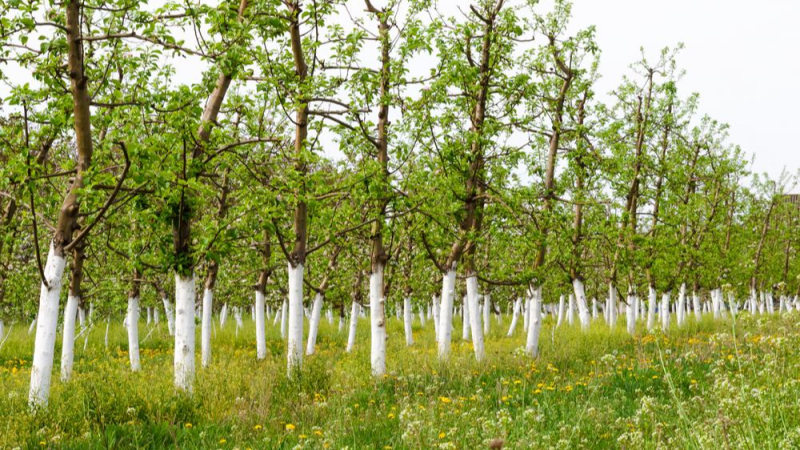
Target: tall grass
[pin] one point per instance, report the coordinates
(702, 386)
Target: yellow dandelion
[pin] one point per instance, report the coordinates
(290, 427)
(391, 416)
(223, 441)
(444, 399)
(302, 436)
(187, 425)
(257, 427)
(318, 432)
(442, 435)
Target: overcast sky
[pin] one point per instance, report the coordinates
(742, 56)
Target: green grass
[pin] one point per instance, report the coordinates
(709, 385)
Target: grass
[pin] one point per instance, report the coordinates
(709, 385)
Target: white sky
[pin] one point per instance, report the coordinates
(742, 56)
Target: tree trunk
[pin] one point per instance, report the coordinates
(313, 326)
(408, 318)
(535, 325)
(184, 332)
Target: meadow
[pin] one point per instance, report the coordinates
(725, 384)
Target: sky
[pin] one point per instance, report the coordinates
(742, 57)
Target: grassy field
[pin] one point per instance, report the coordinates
(710, 385)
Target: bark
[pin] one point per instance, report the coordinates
(408, 318)
(535, 326)
(313, 326)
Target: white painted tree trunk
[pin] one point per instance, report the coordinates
(313, 326)
(594, 309)
(294, 335)
(535, 326)
(571, 310)
(680, 308)
(68, 339)
(341, 324)
(514, 317)
(422, 316)
(261, 339)
(156, 315)
(630, 315)
(133, 333)
(184, 333)
(561, 311)
(170, 315)
(753, 301)
(487, 311)
(223, 315)
(108, 324)
(351, 337)
(149, 313)
(465, 327)
(377, 321)
(435, 302)
(583, 308)
(770, 303)
(525, 308)
(284, 318)
(329, 316)
(612, 306)
(32, 327)
(665, 303)
(408, 317)
(446, 313)
(205, 328)
(475, 317)
(81, 316)
(652, 299)
(698, 311)
(46, 329)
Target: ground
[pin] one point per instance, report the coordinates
(724, 384)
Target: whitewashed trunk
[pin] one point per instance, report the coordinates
(284, 313)
(81, 316)
(156, 314)
(698, 311)
(294, 334)
(435, 302)
(46, 329)
(652, 299)
(205, 329)
(408, 317)
(446, 313)
(377, 322)
(612, 306)
(770, 303)
(475, 317)
(223, 315)
(525, 308)
(329, 316)
(753, 302)
(184, 333)
(665, 304)
(487, 311)
(133, 333)
(583, 308)
(465, 327)
(594, 309)
(514, 317)
(571, 310)
(351, 337)
(68, 339)
(630, 315)
(561, 311)
(149, 315)
(422, 316)
(313, 326)
(535, 326)
(261, 340)
(170, 315)
(680, 308)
